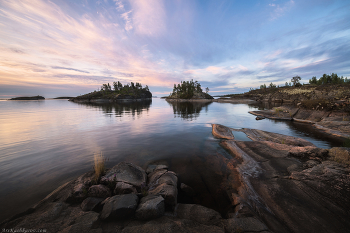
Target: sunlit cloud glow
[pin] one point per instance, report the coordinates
(61, 47)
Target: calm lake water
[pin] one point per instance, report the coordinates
(44, 144)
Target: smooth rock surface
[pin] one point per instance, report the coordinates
(150, 207)
(126, 172)
(119, 207)
(124, 188)
(99, 191)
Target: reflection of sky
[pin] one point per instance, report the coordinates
(46, 143)
(67, 48)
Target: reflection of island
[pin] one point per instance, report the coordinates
(122, 108)
(188, 110)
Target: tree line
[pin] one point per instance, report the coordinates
(186, 89)
(329, 79)
(118, 87)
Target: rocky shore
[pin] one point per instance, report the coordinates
(333, 123)
(289, 184)
(273, 183)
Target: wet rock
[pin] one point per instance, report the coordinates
(221, 131)
(198, 213)
(127, 173)
(99, 191)
(259, 118)
(187, 190)
(150, 207)
(244, 225)
(119, 207)
(91, 203)
(124, 188)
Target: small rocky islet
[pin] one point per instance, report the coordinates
(275, 183)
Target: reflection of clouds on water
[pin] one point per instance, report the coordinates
(120, 109)
(189, 110)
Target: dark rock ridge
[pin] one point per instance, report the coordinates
(38, 97)
(288, 184)
(333, 123)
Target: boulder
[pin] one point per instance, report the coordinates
(91, 203)
(119, 207)
(164, 183)
(168, 192)
(127, 173)
(124, 188)
(99, 191)
(150, 207)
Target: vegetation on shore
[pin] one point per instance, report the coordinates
(189, 90)
(119, 91)
(38, 97)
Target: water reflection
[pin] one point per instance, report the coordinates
(122, 108)
(189, 110)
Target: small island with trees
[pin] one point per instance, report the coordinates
(189, 90)
(116, 93)
(38, 97)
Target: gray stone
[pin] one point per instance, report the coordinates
(168, 192)
(126, 172)
(91, 203)
(150, 207)
(244, 225)
(187, 190)
(119, 207)
(124, 188)
(99, 191)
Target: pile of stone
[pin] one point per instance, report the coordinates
(127, 190)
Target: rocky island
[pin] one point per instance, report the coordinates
(38, 97)
(119, 93)
(189, 91)
(324, 103)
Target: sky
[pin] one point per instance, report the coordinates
(68, 48)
